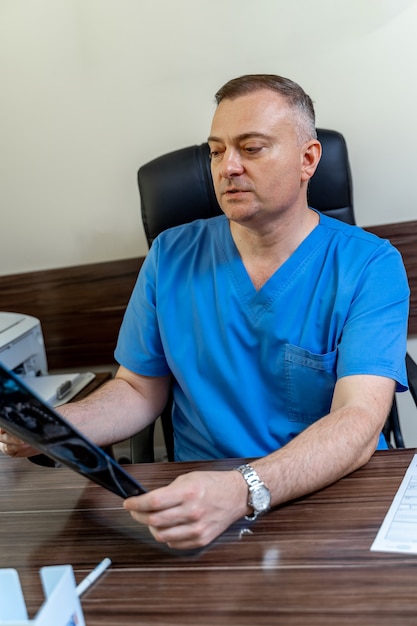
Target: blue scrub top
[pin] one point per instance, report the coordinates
(252, 369)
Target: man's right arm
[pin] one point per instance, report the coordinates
(114, 412)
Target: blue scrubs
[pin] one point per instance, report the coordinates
(253, 369)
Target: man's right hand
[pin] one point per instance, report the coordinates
(12, 446)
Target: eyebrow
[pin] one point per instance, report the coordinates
(242, 137)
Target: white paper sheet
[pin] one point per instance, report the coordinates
(398, 532)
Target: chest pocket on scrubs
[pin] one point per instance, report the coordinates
(310, 379)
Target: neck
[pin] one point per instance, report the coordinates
(264, 249)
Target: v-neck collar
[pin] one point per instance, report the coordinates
(260, 300)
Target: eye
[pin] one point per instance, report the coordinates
(215, 153)
(253, 149)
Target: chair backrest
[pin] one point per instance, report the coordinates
(177, 187)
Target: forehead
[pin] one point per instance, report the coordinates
(262, 111)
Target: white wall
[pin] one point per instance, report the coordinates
(91, 89)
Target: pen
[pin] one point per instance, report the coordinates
(92, 576)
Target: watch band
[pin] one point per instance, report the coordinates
(250, 475)
(254, 483)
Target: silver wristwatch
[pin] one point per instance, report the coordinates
(259, 496)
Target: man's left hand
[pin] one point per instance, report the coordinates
(193, 510)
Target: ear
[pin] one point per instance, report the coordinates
(311, 154)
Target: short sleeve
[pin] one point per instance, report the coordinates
(139, 346)
(374, 338)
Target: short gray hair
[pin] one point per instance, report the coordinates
(296, 97)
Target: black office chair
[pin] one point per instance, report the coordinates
(177, 188)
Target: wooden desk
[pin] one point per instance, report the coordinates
(307, 563)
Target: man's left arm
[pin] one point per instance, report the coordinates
(197, 507)
(335, 445)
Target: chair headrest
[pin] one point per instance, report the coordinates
(330, 189)
(176, 188)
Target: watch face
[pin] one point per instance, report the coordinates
(261, 499)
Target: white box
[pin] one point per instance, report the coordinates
(62, 606)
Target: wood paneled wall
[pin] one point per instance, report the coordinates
(81, 308)
(403, 235)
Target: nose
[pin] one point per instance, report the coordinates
(231, 164)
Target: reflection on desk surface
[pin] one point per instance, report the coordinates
(308, 562)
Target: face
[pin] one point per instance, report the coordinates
(260, 170)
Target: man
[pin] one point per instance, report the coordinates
(282, 331)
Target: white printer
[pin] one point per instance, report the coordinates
(22, 350)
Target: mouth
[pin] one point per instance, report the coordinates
(234, 191)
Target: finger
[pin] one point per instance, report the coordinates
(12, 449)
(6, 437)
(184, 537)
(153, 501)
(162, 519)
(12, 446)
(179, 529)
(165, 507)
(8, 449)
